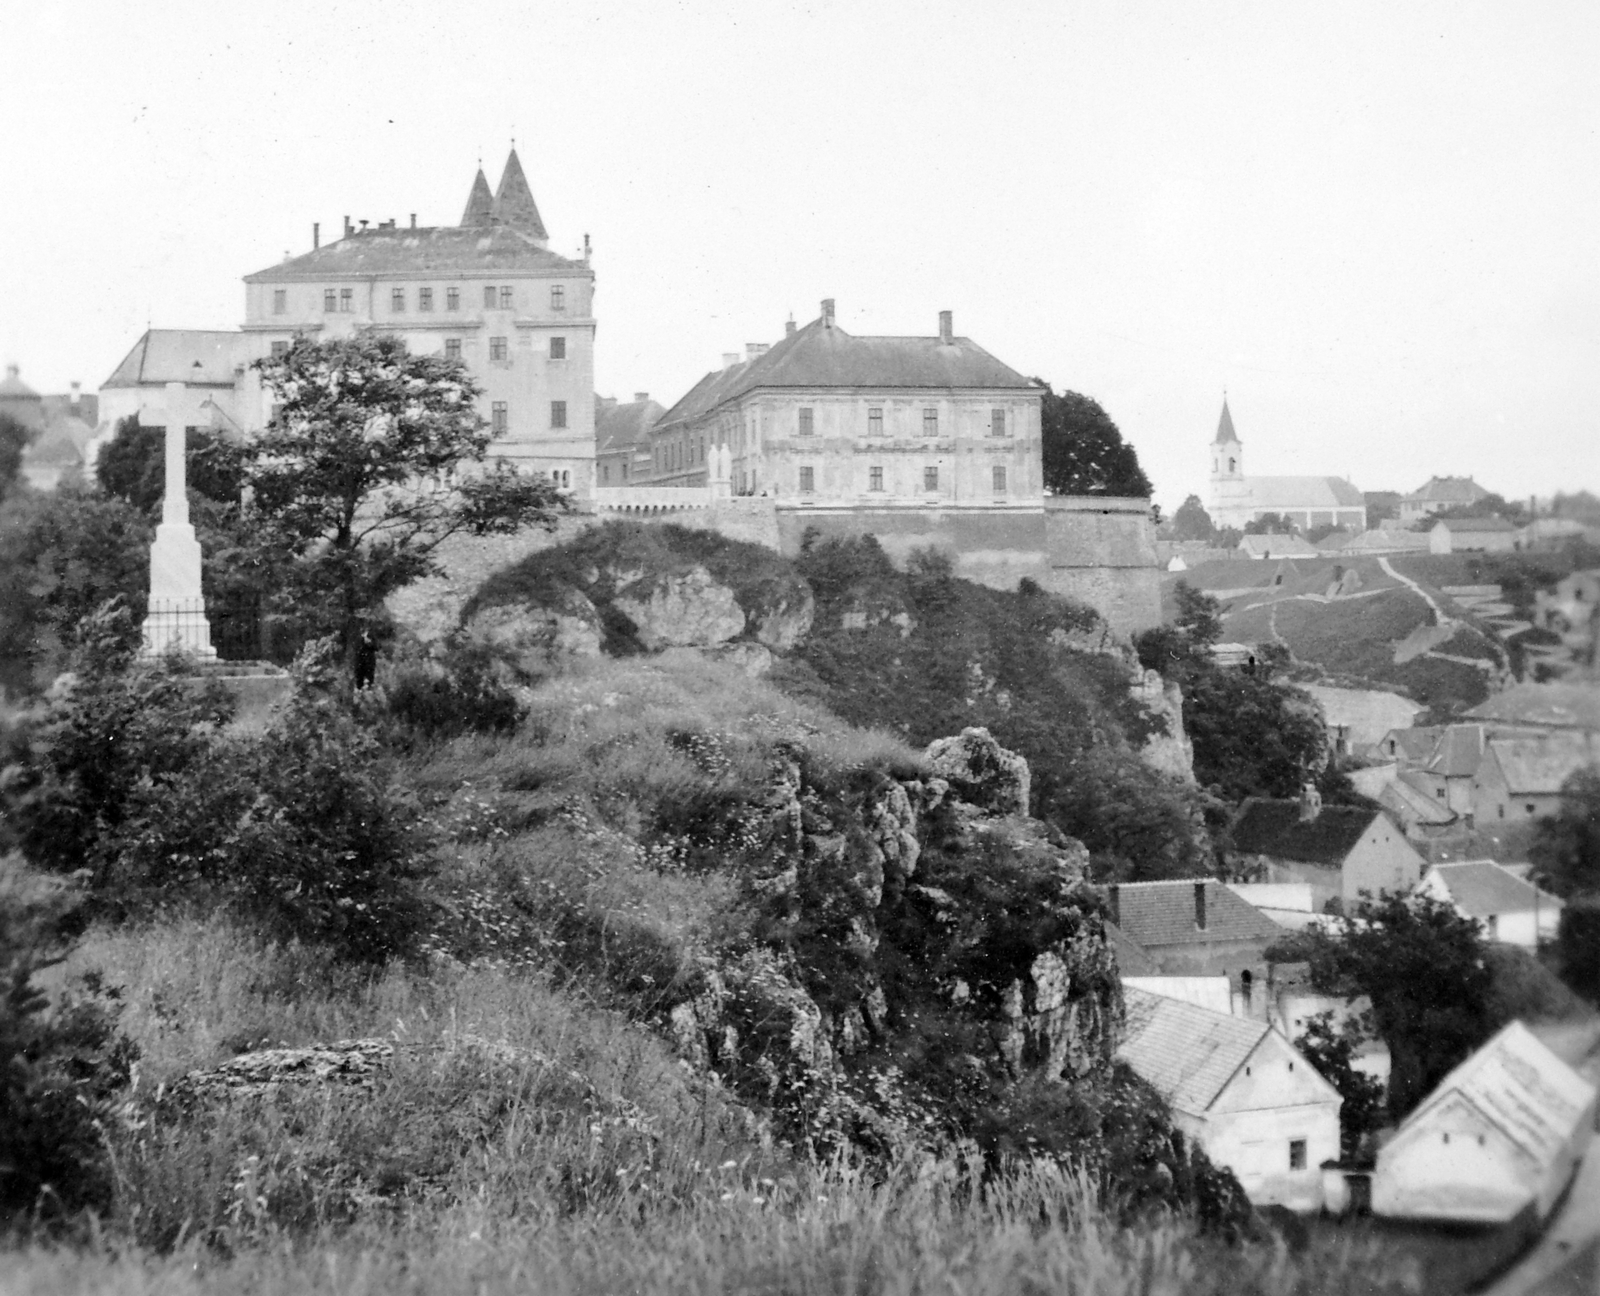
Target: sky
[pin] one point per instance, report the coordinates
(1372, 225)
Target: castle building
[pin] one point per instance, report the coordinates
(1237, 500)
(488, 291)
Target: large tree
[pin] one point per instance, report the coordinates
(1192, 522)
(1084, 453)
(1566, 849)
(374, 458)
(132, 465)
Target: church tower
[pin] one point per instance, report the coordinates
(1229, 504)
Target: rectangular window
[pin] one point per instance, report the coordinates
(500, 417)
(397, 300)
(558, 348)
(452, 348)
(997, 422)
(807, 423)
(874, 422)
(497, 348)
(452, 299)
(424, 299)
(488, 297)
(605, 472)
(930, 479)
(558, 414)
(279, 350)
(930, 422)
(280, 301)
(999, 479)
(558, 297)
(505, 298)
(330, 300)
(1297, 1154)
(347, 300)
(808, 481)
(875, 478)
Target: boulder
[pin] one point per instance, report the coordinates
(534, 637)
(692, 610)
(981, 772)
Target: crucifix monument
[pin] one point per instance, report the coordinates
(176, 622)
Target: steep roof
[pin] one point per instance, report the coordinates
(1185, 1052)
(1446, 491)
(823, 355)
(1539, 766)
(199, 357)
(1481, 888)
(1264, 827)
(617, 425)
(429, 250)
(1458, 752)
(1225, 430)
(1406, 799)
(1275, 493)
(513, 201)
(1558, 705)
(1416, 743)
(1153, 914)
(480, 202)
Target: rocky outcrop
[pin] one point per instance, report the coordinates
(691, 610)
(535, 638)
(981, 771)
(1168, 750)
(780, 611)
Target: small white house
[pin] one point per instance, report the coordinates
(1500, 1136)
(1508, 908)
(1241, 1091)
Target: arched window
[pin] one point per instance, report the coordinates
(1231, 465)
(1246, 985)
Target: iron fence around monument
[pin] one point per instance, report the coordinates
(243, 629)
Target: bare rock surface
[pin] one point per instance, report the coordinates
(981, 771)
(691, 610)
(534, 637)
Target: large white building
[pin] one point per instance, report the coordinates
(1309, 502)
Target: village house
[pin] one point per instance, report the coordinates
(1307, 502)
(1358, 719)
(1508, 908)
(1439, 494)
(1241, 1091)
(1342, 851)
(1473, 535)
(1406, 797)
(1195, 927)
(1521, 778)
(1498, 1139)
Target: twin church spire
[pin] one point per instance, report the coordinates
(511, 205)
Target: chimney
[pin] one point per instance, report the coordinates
(364, 225)
(413, 220)
(1310, 802)
(789, 328)
(347, 227)
(947, 333)
(1200, 906)
(827, 312)
(754, 349)
(729, 359)
(1114, 894)
(641, 397)
(75, 395)
(316, 235)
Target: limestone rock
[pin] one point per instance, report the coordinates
(1170, 752)
(534, 637)
(692, 610)
(780, 611)
(981, 771)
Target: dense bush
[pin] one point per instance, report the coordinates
(1579, 944)
(442, 698)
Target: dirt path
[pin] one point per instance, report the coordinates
(1418, 591)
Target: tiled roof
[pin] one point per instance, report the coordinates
(196, 356)
(1409, 796)
(1458, 752)
(1541, 765)
(1273, 493)
(1575, 706)
(13, 388)
(433, 251)
(1132, 960)
(1277, 546)
(1274, 828)
(1481, 888)
(1185, 1052)
(1154, 914)
(618, 426)
(1447, 490)
(823, 355)
(1225, 430)
(1416, 743)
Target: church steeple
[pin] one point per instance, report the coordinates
(1225, 430)
(480, 202)
(1227, 455)
(513, 201)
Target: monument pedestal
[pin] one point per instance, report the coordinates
(176, 622)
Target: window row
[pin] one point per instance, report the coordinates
(807, 424)
(930, 479)
(500, 416)
(495, 297)
(677, 454)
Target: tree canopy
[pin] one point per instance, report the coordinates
(1566, 849)
(1084, 453)
(1192, 522)
(132, 465)
(371, 462)
(14, 438)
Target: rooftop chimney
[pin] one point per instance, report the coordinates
(316, 235)
(729, 359)
(641, 397)
(364, 226)
(754, 349)
(1200, 906)
(347, 227)
(413, 220)
(827, 312)
(75, 395)
(947, 333)
(1115, 894)
(789, 328)
(1310, 802)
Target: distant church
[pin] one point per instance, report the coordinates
(1308, 502)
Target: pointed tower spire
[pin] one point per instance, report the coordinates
(1225, 430)
(513, 201)
(480, 202)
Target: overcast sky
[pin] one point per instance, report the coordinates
(1374, 224)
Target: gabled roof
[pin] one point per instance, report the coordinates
(1277, 546)
(1518, 1085)
(1185, 1052)
(1409, 796)
(1416, 743)
(619, 426)
(1225, 430)
(199, 357)
(1481, 888)
(513, 201)
(1154, 914)
(1447, 490)
(1539, 766)
(823, 355)
(1557, 705)
(1458, 752)
(428, 250)
(1277, 493)
(1132, 959)
(1274, 828)
(480, 203)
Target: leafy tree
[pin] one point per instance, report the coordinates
(1490, 506)
(1252, 736)
(14, 438)
(1271, 524)
(1192, 522)
(369, 466)
(1084, 453)
(133, 465)
(1566, 847)
(1332, 1052)
(1425, 968)
(1381, 507)
(1579, 945)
